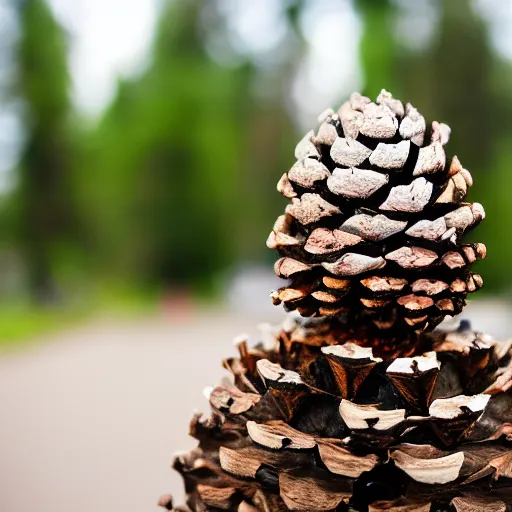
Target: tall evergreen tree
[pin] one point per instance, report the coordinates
(179, 154)
(167, 155)
(378, 47)
(44, 187)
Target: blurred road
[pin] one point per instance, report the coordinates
(91, 417)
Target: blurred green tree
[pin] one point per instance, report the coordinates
(178, 160)
(44, 190)
(452, 80)
(173, 182)
(378, 48)
(167, 156)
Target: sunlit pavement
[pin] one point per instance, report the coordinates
(91, 417)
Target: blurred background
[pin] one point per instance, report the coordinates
(140, 145)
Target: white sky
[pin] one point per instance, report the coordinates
(331, 69)
(499, 15)
(109, 38)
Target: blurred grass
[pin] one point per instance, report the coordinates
(22, 321)
(19, 322)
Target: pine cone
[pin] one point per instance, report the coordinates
(310, 426)
(363, 407)
(376, 219)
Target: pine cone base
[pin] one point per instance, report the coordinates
(331, 427)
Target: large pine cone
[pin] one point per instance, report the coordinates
(376, 218)
(361, 409)
(313, 425)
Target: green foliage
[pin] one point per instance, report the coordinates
(378, 48)
(166, 161)
(44, 193)
(177, 160)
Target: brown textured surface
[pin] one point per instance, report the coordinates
(360, 409)
(374, 197)
(337, 427)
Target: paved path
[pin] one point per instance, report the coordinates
(89, 420)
